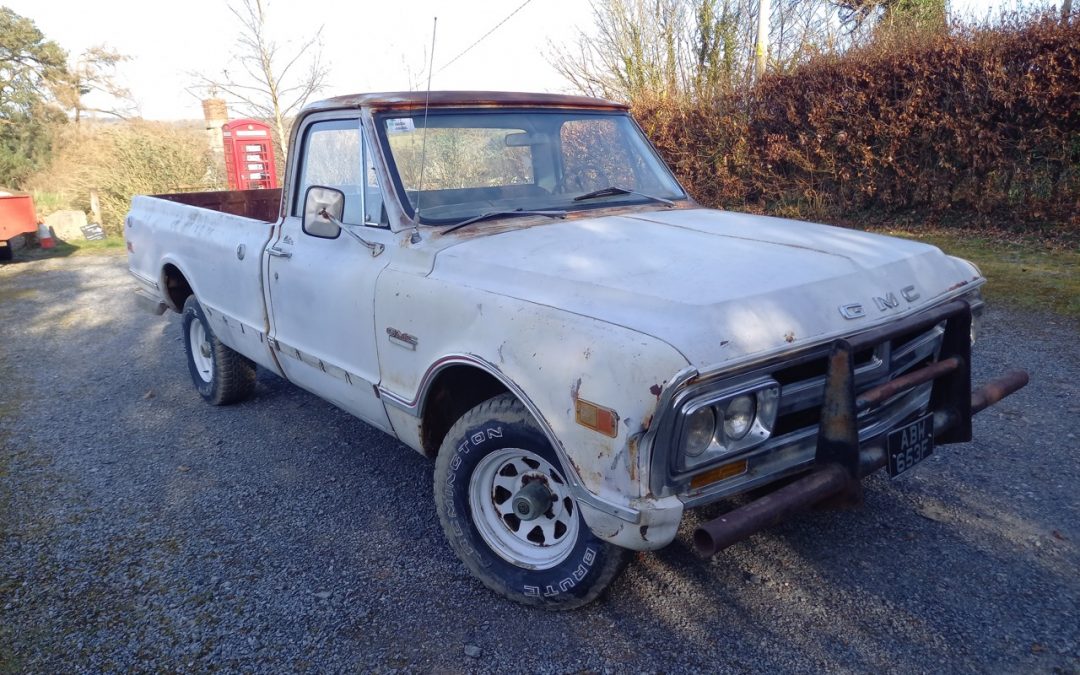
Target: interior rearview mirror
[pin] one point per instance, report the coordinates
(521, 139)
(318, 203)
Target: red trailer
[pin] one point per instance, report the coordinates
(249, 155)
(17, 217)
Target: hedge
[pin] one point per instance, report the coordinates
(977, 127)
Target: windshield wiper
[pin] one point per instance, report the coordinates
(612, 190)
(503, 214)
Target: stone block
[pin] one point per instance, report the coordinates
(67, 225)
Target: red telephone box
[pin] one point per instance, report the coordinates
(249, 155)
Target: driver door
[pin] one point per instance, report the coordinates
(322, 289)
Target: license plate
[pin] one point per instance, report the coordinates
(910, 445)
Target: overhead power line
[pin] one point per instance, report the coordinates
(483, 37)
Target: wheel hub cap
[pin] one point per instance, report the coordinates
(200, 351)
(533, 500)
(522, 507)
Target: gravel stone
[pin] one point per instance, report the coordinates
(112, 558)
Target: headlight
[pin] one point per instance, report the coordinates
(720, 424)
(739, 417)
(700, 429)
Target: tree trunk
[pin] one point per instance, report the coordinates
(762, 53)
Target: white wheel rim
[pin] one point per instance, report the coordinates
(200, 350)
(538, 544)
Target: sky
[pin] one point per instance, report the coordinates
(369, 45)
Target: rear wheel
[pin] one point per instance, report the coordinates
(221, 375)
(509, 513)
(6, 252)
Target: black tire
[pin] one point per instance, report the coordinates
(6, 252)
(231, 375)
(498, 424)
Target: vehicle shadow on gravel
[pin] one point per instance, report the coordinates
(897, 581)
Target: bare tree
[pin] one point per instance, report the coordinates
(638, 48)
(95, 76)
(895, 16)
(269, 80)
(697, 48)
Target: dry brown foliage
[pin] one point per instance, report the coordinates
(979, 124)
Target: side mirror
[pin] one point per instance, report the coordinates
(318, 203)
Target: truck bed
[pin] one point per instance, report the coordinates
(264, 205)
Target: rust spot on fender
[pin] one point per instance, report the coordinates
(574, 389)
(655, 390)
(577, 469)
(789, 337)
(632, 454)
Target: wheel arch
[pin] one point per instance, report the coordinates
(451, 389)
(175, 286)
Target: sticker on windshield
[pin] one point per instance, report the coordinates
(400, 125)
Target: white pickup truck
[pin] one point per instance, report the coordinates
(517, 286)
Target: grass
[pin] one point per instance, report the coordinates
(46, 202)
(1022, 273)
(63, 249)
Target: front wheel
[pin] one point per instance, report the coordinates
(509, 513)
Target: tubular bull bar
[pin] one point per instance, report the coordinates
(840, 461)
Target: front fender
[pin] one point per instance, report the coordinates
(549, 358)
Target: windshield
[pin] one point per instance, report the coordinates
(482, 161)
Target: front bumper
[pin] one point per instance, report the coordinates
(841, 459)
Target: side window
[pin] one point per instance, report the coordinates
(332, 158)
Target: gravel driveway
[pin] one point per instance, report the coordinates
(142, 529)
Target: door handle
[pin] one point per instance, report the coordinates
(278, 253)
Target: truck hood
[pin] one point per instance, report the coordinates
(715, 285)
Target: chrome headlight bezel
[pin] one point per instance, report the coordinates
(975, 300)
(766, 394)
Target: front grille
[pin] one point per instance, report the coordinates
(880, 355)
(803, 383)
(808, 369)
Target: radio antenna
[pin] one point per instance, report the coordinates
(415, 238)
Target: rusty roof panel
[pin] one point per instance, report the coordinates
(416, 99)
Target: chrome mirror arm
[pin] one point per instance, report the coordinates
(375, 247)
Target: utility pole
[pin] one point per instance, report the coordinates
(762, 49)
